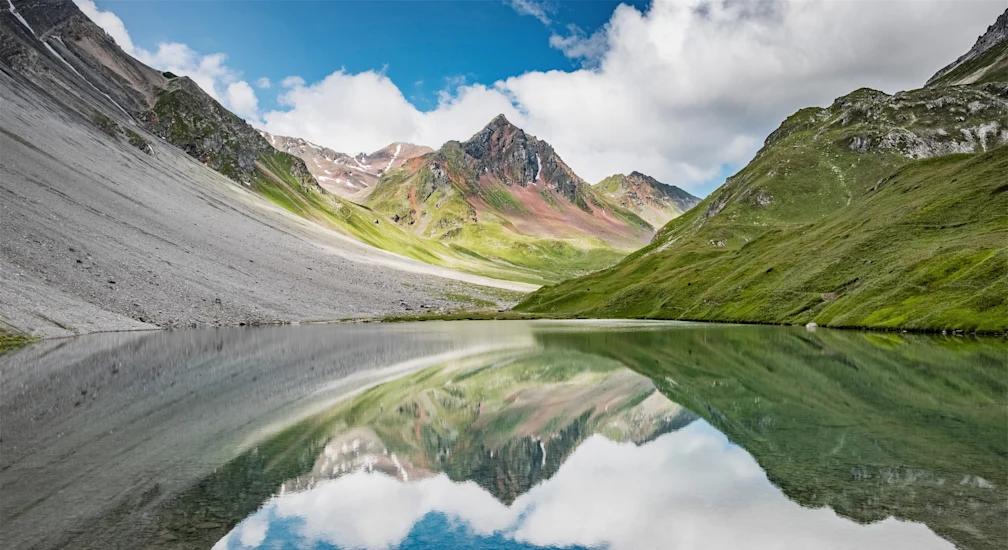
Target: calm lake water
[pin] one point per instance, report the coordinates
(506, 435)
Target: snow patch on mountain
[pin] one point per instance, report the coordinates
(14, 11)
(395, 155)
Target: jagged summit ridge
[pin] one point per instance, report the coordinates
(515, 157)
(654, 201)
(349, 176)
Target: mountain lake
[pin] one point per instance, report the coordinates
(506, 435)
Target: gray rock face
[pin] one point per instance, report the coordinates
(926, 123)
(516, 158)
(57, 47)
(996, 35)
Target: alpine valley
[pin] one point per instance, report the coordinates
(156, 190)
(210, 323)
(126, 187)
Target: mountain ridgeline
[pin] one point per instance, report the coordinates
(352, 177)
(645, 196)
(502, 204)
(54, 45)
(507, 195)
(883, 211)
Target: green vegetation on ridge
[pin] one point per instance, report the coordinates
(439, 213)
(833, 222)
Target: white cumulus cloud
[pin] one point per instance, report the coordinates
(242, 99)
(109, 22)
(579, 45)
(679, 91)
(292, 82)
(263, 83)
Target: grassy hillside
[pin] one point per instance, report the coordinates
(190, 119)
(835, 222)
(273, 179)
(447, 199)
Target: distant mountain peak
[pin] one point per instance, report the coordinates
(350, 176)
(652, 200)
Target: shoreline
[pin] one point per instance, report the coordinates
(13, 341)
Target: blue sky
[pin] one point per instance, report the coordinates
(683, 90)
(422, 46)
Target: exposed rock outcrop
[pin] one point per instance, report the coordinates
(516, 158)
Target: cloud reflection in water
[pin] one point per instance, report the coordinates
(689, 489)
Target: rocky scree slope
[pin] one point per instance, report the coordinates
(107, 226)
(59, 49)
(87, 72)
(885, 211)
(655, 202)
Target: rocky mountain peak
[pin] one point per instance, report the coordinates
(348, 176)
(641, 178)
(504, 151)
(647, 197)
(500, 121)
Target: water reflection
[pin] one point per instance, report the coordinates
(515, 435)
(563, 446)
(687, 489)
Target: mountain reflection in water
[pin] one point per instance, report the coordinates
(687, 489)
(621, 436)
(561, 448)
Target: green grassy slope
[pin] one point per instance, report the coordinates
(833, 222)
(273, 180)
(438, 208)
